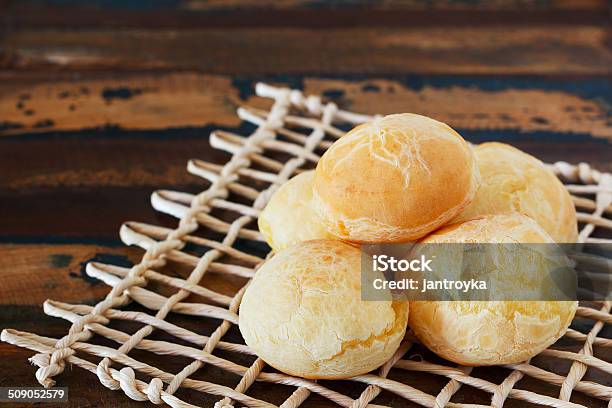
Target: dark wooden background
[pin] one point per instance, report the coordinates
(103, 101)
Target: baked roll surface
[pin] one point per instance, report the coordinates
(289, 218)
(303, 314)
(491, 332)
(512, 180)
(394, 179)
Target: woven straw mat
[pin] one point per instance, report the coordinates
(216, 234)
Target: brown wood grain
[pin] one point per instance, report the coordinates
(147, 101)
(104, 158)
(34, 273)
(538, 49)
(406, 4)
(130, 102)
(471, 108)
(235, 5)
(249, 13)
(70, 213)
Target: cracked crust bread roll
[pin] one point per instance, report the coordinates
(477, 333)
(302, 314)
(512, 180)
(394, 179)
(288, 218)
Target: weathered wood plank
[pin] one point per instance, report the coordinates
(31, 274)
(474, 104)
(215, 5)
(445, 49)
(129, 101)
(162, 166)
(64, 214)
(231, 14)
(406, 4)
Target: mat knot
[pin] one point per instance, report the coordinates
(50, 365)
(132, 388)
(105, 377)
(154, 390)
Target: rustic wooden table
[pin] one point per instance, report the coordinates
(101, 102)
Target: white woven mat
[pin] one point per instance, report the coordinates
(289, 137)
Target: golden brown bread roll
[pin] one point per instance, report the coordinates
(512, 180)
(394, 179)
(303, 314)
(288, 218)
(490, 332)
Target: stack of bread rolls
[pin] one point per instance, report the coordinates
(400, 178)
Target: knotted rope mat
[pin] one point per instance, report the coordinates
(298, 128)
